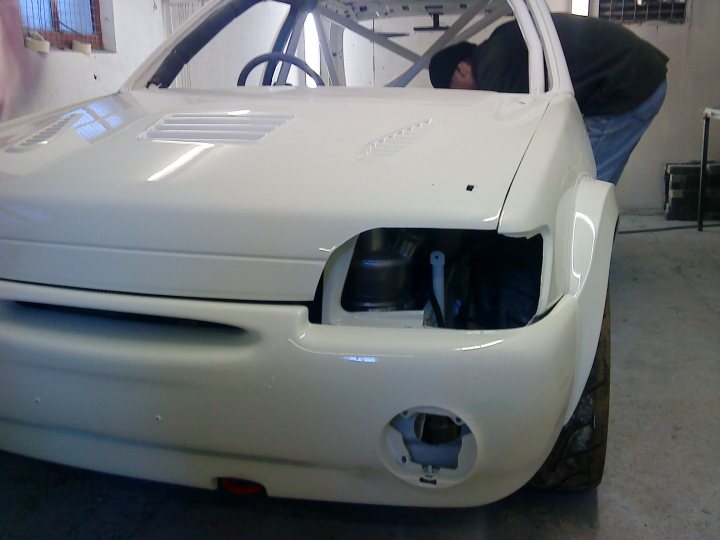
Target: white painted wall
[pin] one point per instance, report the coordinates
(562, 6)
(693, 84)
(33, 82)
(218, 64)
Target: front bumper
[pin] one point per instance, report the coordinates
(262, 394)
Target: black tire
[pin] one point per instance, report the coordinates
(577, 460)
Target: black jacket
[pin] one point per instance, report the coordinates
(612, 70)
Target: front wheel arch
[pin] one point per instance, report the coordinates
(577, 460)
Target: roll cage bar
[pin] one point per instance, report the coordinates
(333, 17)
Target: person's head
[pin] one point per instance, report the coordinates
(452, 67)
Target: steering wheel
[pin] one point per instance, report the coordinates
(281, 57)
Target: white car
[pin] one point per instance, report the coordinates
(386, 295)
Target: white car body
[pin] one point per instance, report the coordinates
(154, 285)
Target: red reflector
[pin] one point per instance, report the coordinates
(241, 487)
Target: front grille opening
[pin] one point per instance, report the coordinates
(124, 316)
(110, 327)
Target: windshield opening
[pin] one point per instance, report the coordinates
(253, 42)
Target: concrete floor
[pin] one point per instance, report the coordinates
(662, 478)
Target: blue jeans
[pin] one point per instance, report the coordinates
(613, 137)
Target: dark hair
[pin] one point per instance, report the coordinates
(443, 63)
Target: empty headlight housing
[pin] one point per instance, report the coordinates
(462, 279)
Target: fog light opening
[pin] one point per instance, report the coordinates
(432, 439)
(429, 447)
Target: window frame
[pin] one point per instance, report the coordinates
(595, 11)
(60, 39)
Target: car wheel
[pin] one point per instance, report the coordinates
(578, 458)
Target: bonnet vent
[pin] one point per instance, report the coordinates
(44, 136)
(215, 128)
(395, 142)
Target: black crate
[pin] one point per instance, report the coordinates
(682, 182)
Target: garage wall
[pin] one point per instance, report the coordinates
(218, 64)
(31, 82)
(693, 84)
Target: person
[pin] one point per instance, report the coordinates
(619, 79)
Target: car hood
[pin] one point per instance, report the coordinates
(245, 194)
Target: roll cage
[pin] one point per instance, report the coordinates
(333, 17)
